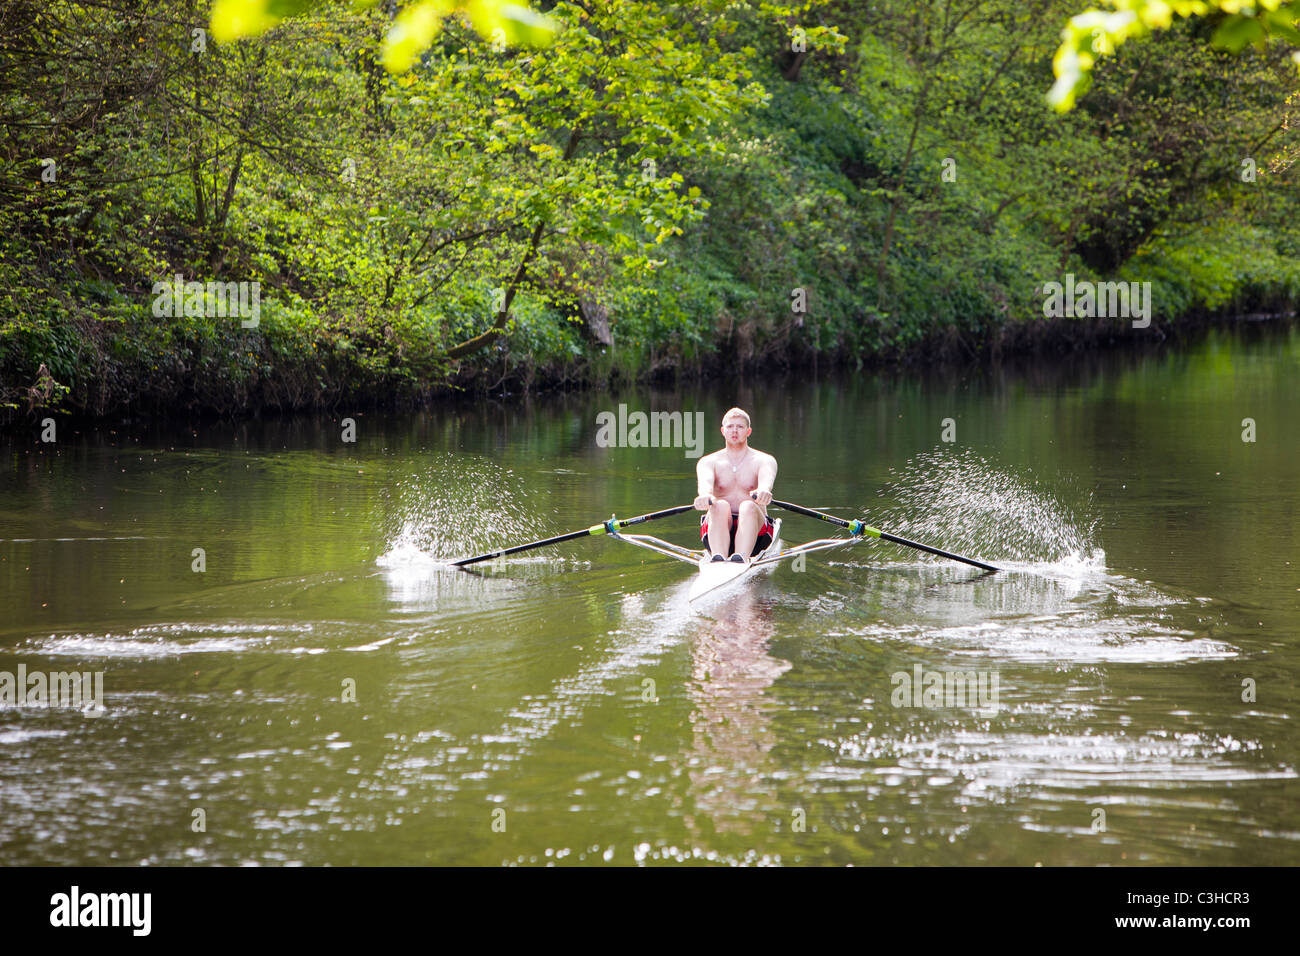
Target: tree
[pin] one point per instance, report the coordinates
(589, 127)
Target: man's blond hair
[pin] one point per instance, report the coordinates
(737, 411)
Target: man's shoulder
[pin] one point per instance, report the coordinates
(710, 458)
(764, 456)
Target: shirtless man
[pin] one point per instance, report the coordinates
(735, 486)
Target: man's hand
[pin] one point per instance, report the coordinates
(703, 502)
(764, 498)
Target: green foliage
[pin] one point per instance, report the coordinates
(1222, 266)
(690, 172)
(1096, 33)
(412, 31)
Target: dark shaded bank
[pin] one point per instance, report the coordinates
(191, 384)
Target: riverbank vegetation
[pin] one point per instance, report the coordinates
(650, 189)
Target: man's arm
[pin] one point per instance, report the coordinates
(704, 475)
(766, 479)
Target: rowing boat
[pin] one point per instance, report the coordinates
(713, 577)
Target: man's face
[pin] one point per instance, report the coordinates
(734, 430)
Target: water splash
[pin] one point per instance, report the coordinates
(457, 505)
(960, 502)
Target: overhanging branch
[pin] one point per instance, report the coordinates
(470, 346)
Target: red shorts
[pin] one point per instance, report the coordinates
(764, 533)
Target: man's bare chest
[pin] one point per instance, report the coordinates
(735, 477)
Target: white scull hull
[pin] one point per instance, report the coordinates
(715, 575)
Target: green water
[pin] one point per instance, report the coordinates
(328, 691)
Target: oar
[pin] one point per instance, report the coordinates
(605, 527)
(858, 527)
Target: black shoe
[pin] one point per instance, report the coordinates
(737, 559)
(716, 558)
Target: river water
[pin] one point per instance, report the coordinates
(325, 690)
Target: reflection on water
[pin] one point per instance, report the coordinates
(1034, 613)
(329, 690)
(731, 723)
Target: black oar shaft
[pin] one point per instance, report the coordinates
(605, 527)
(939, 551)
(800, 509)
(523, 547)
(666, 513)
(859, 527)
